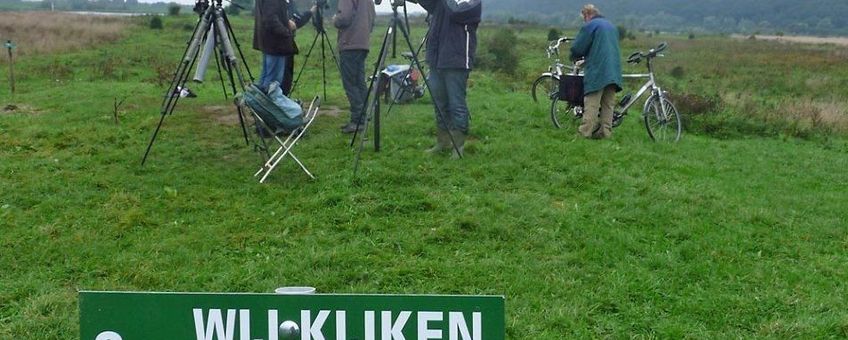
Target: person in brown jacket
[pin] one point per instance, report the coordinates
(273, 35)
(355, 21)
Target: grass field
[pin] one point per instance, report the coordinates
(737, 231)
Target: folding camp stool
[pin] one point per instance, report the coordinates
(285, 146)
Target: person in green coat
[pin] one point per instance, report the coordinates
(597, 44)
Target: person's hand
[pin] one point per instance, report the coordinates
(292, 25)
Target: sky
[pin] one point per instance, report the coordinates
(384, 7)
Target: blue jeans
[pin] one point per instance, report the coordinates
(273, 69)
(448, 88)
(352, 65)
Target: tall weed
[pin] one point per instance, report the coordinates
(49, 32)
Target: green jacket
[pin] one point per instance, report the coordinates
(598, 43)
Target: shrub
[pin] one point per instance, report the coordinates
(554, 34)
(173, 9)
(622, 32)
(501, 53)
(156, 22)
(694, 104)
(677, 72)
(691, 36)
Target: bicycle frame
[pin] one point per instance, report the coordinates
(556, 68)
(650, 84)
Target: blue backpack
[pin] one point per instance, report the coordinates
(286, 115)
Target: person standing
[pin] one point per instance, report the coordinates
(273, 35)
(451, 48)
(355, 21)
(597, 44)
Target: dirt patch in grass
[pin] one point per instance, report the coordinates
(330, 111)
(19, 109)
(223, 114)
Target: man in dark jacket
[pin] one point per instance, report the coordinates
(597, 42)
(273, 35)
(355, 20)
(451, 47)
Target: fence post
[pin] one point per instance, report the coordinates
(9, 46)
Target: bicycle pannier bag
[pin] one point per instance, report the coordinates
(571, 89)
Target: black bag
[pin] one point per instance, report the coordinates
(571, 89)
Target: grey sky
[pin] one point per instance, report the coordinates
(382, 8)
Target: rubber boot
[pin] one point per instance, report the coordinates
(459, 139)
(442, 142)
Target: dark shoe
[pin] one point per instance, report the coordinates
(443, 142)
(459, 139)
(262, 132)
(353, 127)
(299, 131)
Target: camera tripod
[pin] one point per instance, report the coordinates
(212, 17)
(376, 86)
(326, 43)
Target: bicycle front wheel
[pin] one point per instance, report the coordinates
(544, 86)
(564, 113)
(662, 120)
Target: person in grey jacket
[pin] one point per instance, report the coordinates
(451, 48)
(355, 21)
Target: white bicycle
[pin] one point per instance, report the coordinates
(662, 120)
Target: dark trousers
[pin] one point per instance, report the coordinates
(288, 77)
(448, 87)
(352, 64)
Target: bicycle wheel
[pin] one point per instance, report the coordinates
(662, 126)
(564, 113)
(546, 85)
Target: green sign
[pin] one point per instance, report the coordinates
(206, 316)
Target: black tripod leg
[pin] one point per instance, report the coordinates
(324, 65)
(333, 52)
(232, 65)
(395, 99)
(372, 89)
(155, 133)
(181, 74)
(238, 46)
(220, 74)
(377, 122)
(375, 76)
(305, 62)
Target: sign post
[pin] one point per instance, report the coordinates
(208, 316)
(9, 47)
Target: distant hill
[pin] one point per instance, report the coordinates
(817, 17)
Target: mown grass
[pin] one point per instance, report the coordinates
(707, 238)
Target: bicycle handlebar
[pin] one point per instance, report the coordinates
(636, 57)
(553, 48)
